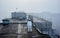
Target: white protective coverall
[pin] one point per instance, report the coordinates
(29, 25)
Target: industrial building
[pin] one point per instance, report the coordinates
(18, 15)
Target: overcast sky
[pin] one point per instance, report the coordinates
(30, 5)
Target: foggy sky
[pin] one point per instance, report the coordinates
(6, 6)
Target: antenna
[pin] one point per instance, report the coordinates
(16, 9)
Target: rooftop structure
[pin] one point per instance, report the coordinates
(19, 15)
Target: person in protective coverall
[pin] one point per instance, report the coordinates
(29, 25)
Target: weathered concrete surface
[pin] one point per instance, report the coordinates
(14, 30)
